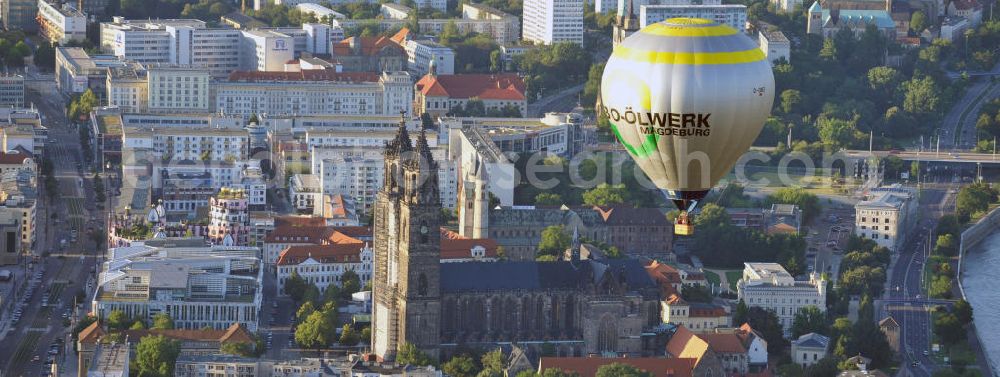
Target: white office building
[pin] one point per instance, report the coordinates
(220, 50)
(178, 89)
(61, 23)
(420, 54)
(734, 15)
(769, 286)
(197, 285)
(551, 21)
(775, 45)
(319, 11)
(264, 50)
(11, 90)
(315, 92)
(886, 216)
(325, 265)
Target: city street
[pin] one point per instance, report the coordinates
(906, 300)
(63, 274)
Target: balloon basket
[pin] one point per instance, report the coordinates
(683, 229)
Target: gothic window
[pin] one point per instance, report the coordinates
(607, 335)
(422, 285)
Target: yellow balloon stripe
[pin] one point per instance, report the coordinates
(670, 30)
(688, 58)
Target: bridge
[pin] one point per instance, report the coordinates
(930, 156)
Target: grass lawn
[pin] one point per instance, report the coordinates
(713, 278)
(733, 277)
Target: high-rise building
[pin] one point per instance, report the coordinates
(19, 14)
(11, 90)
(734, 15)
(61, 23)
(551, 21)
(314, 92)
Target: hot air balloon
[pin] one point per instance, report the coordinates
(686, 97)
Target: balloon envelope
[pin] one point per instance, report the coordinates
(687, 97)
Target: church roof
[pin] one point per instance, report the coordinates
(530, 275)
(859, 18)
(815, 7)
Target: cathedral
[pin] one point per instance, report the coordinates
(574, 307)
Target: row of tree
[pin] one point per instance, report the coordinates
(719, 243)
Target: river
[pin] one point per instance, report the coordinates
(982, 289)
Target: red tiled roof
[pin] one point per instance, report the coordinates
(355, 231)
(483, 86)
(235, 333)
(588, 366)
(401, 36)
(685, 343)
(304, 75)
(92, 333)
(706, 311)
(454, 246)
(13, 158)
(298, 234)
(299, 221)
(368, 45)
(663, 273)
(723, 343)
(333, 253)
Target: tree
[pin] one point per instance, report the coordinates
(295, 286)
(163, 321)
(740, 314)
(117, 320)
(974, 198)
(605, 195)
(884, 81)
(137, 325)
(808, 202)
(837, 133)
(348, 336)
(963, 311)
(45, 56)
(554, 241)
(350, 284)
(316, 331)
(921, 96)
(620, 370)
(790, 100)
(460, 366)
(767, 324)
(825, 367)
(243, 349)
(409, 354)
(949, 329)
(156, 356)
(305, 310)
(809, 319)
(946, 245)
(493, 361)
(918, 22)
(548, 199)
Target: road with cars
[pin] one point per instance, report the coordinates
(35, 333)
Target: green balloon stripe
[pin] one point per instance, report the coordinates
(647, 148)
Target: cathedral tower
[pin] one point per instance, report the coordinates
(406, 290)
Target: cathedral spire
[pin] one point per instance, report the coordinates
(401, 143)
(423, 149)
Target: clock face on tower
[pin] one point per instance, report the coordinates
(423, 229)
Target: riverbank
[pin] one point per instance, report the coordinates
(979, 256)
